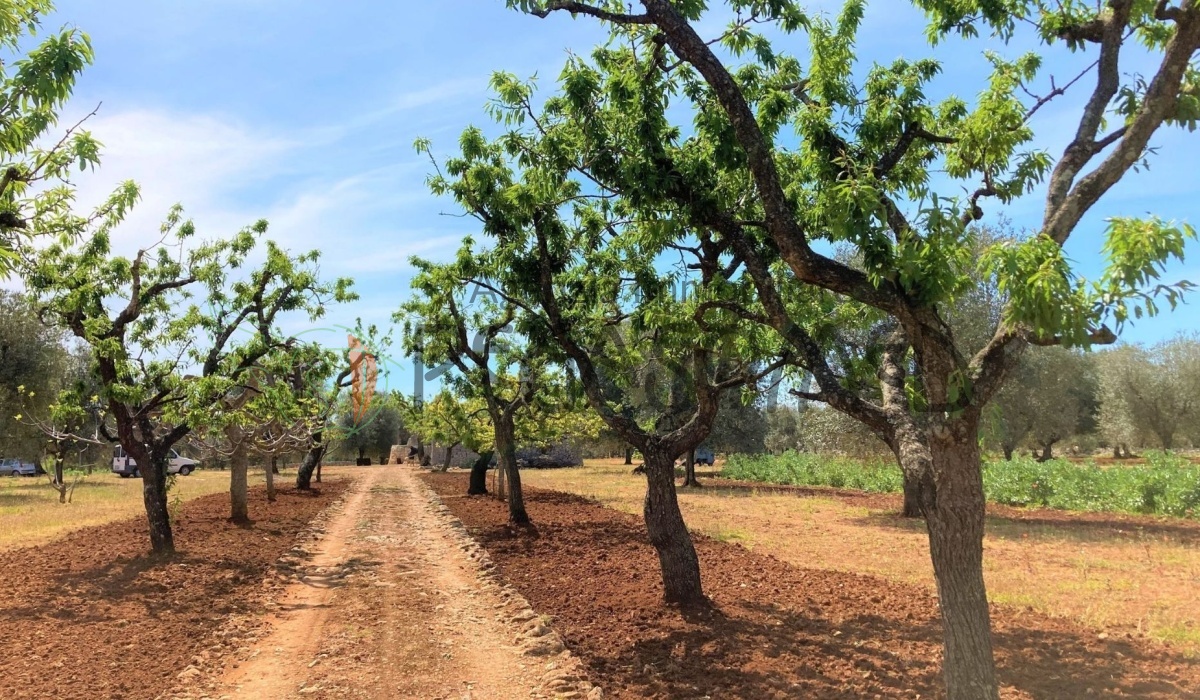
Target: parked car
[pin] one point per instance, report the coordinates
(704, 455)
(126, 466)
(15, 467)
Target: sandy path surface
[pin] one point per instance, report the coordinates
(396, 603)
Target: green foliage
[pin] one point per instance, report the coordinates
(1151, 390)
(1168, 485)
(176, 330)
(811, 469)
(35, 83)
(33, 368)
(450, 420)
(375, 431)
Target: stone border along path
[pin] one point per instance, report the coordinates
(397, 601)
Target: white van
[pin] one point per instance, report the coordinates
(125, 465)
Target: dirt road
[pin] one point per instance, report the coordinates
(397, 603)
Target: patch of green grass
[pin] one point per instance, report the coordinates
(728, 534)
(1165, 485)
(806, 469)
(1184, 635)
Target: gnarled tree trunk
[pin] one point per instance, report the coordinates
(507, 451)
(154, 496)
(478, 483)
(689, 470)
(308, 465)
(950, 485)
(449, 457)
(668, 533)
(629, 455)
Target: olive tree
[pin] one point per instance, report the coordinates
(765, 155)
(174, 329)
(34, 366)
(1050, 396)
(374, 430)
(1151, 390)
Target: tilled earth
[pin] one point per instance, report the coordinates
(92, 616)
(776, 630)
(397, 602)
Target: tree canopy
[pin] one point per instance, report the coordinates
(745, 157)
(173, 330)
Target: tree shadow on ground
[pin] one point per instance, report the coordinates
(16, 500)
(780, 631)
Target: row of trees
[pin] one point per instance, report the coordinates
(181, 340)
(666, 155)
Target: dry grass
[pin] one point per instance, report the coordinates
(1127, 580)
(30, 513)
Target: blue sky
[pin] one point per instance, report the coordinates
(304, 113)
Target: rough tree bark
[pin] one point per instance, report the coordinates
(912, 497)
(309, 464)
(689, 470)
(271, 471)
(239, 506)
(154, 496)
(628, 455)
(506, 450)
(950, 485)
(668, 533)
(478, 482)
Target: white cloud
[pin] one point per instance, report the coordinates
(383, 255)
(196, 160)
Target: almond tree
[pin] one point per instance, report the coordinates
(35, 83)
(578, 270)
(765, 155)
(272, 409)
(439, 325)
(173, 330)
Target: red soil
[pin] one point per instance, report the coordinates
(92, 616)
(775, 631)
